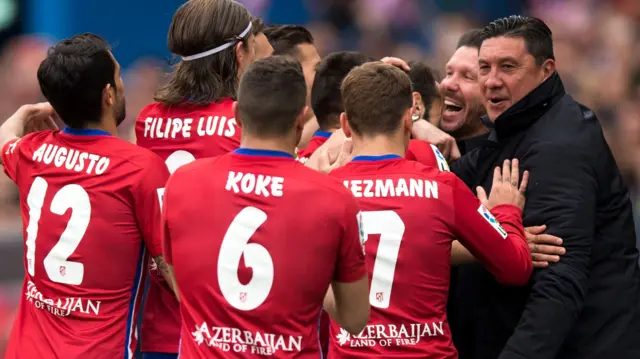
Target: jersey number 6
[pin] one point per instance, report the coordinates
(236, 243)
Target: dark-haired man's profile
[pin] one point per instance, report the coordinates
(587, 305)
(297, 42)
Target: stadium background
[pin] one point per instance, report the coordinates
(597, 46)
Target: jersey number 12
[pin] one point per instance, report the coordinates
(59, 269)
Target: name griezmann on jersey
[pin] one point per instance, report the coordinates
(398, 187)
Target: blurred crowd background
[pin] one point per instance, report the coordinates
(597, 47)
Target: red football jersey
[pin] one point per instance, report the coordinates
(318, 139)
(179, 135)
(427, 154)
(91, 209)
(419, 151)
(252, 275)
(410, 215)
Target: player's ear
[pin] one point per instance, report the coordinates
(243, 57)
(109, 95)
(239, 53)
(418, 104)
(344, 124)
(407, 120)
(303, 117)
(548, 68)
(234, 108)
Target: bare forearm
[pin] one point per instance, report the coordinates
(167, 272)
(460, 255)
(14, 126)
(329, 304)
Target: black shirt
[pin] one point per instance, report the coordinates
(587, 306)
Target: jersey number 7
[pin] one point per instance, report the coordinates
(390, 227)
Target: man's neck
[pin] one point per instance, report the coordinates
(105, 124)
(378, 146)
(472, 129)
(276, 144)
(330, 130)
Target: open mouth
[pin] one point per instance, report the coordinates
(496, 101)
(452, 107)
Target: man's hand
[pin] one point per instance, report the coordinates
(425, 131)
(167, 272)
(505, 189)
(28, 118)
(333, 145)
(321, 160)
(327, 154)
(40, 118)
(545, 248)
(397, 62)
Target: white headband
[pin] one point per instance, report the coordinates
(219, 48)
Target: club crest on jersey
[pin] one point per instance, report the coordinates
(243, 297)
(484, 212)
(380, 297)
(63, 270)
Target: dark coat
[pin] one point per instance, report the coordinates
(587, 306)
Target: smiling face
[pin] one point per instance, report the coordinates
(460, 90)
(508, 72)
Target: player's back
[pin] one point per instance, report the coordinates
(179, 135)
(406, 212)
(81, 200)
(252, 274)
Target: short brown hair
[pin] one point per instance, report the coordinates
(375, 96)
(197, 26)
(271, 96)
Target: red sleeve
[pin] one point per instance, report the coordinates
(427, 154)
(10, 158)
(148, 196)
(166, 238)
(498, 242)
(350, 266)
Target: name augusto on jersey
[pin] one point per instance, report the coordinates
(70, 159)
(157, 127)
